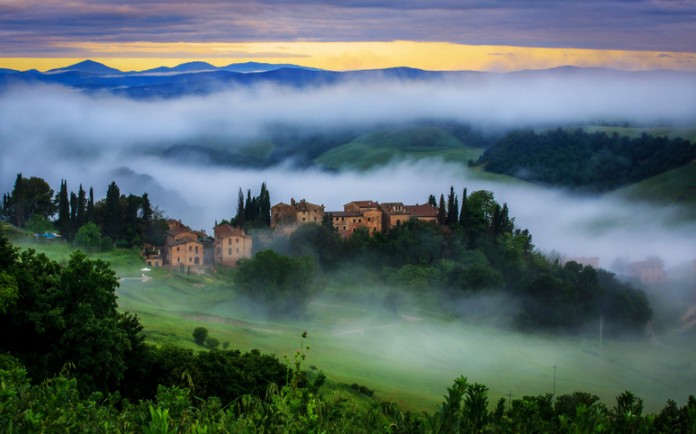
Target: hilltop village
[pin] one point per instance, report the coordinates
(188, 249)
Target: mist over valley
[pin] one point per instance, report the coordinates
(386, 139)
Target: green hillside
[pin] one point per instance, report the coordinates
(677, 186)
(405, 143)
(632, 132)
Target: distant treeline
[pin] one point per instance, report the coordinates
(580, 160)
(117, 219)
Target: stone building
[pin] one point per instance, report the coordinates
(394, 214)
(288, 217)
(182, 246)
(650, 271)
(231, 245)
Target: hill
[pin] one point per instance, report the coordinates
(382, 146)
(676, 186)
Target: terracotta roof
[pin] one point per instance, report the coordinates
(394, 208)
(179, 230)
(225, 230)
(303, 205)
(365, 203)
(426, 210)
(186, 240)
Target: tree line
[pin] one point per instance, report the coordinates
(117, 219)
(576, 159)
(479, 250)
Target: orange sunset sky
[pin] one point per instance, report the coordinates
(489, 35)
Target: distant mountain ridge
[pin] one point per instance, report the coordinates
(200, 78)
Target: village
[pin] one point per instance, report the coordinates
(187, 249)
(190, 250)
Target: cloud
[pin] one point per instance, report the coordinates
(58, 133)
(37, 27)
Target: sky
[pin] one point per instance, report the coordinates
(497, 35)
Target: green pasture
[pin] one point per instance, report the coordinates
(677, 186)
(412, 357)
(381, 147)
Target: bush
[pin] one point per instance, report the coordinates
(200, 334)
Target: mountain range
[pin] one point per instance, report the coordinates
(203, 78)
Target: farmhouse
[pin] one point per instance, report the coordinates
(182, 246)
(650, 271)
(231, 245)
(289, 217)
(376, 217)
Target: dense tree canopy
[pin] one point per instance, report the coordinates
(582, 160)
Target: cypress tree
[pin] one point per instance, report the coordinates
(89, 217)
(442, 211)
(239, 218)
(464, 215)
(452, 208)
(64, 210)
(18, 201)
(113, 220)
(265, 199)
(81, 215)
(73, 216)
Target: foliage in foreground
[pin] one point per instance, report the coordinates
(303, 407)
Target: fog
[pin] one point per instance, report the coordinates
(91, 139)
(58, 133)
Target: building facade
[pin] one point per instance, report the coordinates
(231, 244)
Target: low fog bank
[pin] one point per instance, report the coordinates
(59, 133)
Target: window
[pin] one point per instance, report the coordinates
(229, 241)
(237, 249)
(190, 259)
(229, 251)
(196, 249)
(178, 249)
(190, 248)
(237, 240)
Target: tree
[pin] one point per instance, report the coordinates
(283, 285)
(63, 221)
(265, 205)
(113, 215)
(200, 334)
(18, 201)
(442, 211)
(88, 237)
(452, 209)
(239, 218)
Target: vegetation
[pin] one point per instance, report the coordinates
(481, 251)
(449, 142)
(281, 284)
(585, 161)
(125, 220)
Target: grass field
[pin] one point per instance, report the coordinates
(381, 147)
(675, 187)
(411, 358)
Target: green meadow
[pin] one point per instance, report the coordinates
(410, 357)
(378, 148)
